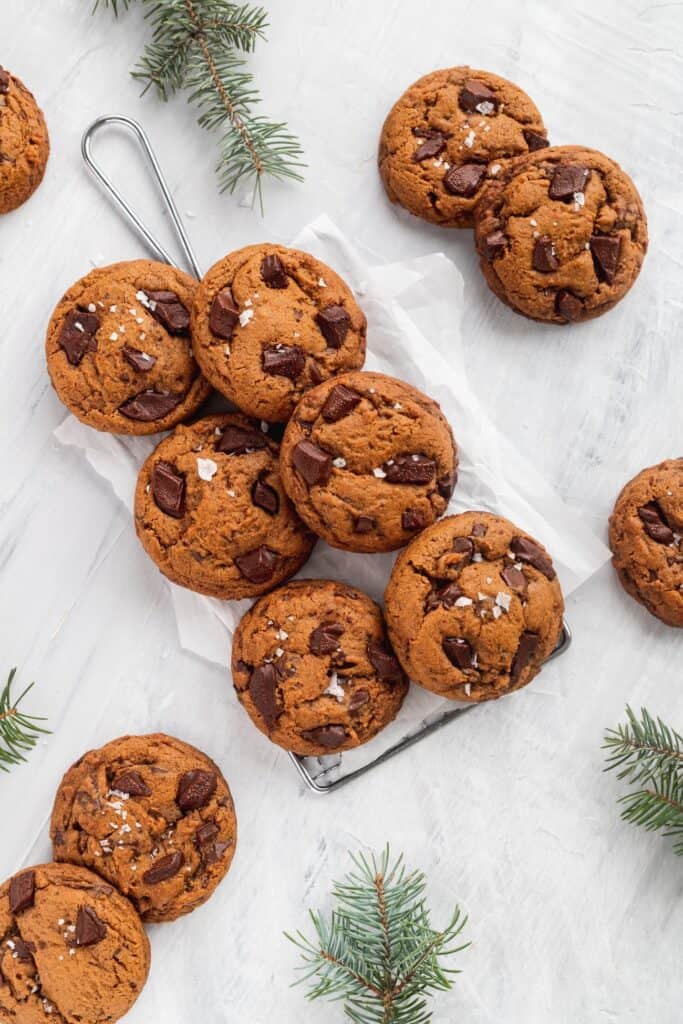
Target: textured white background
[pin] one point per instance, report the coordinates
(574, 916)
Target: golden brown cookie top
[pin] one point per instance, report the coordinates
(71, 948)
(449, 133)
(368, 461)
(24, 144)
(646, 538)
(313, 668)
(153, 816)
(271, 322)
(474, 607)
(119, 350)
(211, 510)
(561, 233)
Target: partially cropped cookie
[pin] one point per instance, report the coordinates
(211, 511)
(368, 461)
(474, 607)
(153, 816)
(312, 667)
(119, 351)
(448, 134)
(271, 322)
(561, 234)
(71, 948)
(646, 538)
(24, 143)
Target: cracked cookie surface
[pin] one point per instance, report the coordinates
(271, 322)
(646, 538)
(71, 948)
(212, 513)
(449, 133)
(153, 816)
(561, 234)
(474, 607)
(313, 669)
(368, 461)
(119, 351)
(24, 143)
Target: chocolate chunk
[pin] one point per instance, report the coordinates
(463, 546)
(544, 257)
(266, 497)
(568, 305)
(90, 929)
(479, 530)
(464, 181)
(168, 489)
(384, 662)
(77, 335)
(213, 852)
(325, 639)
(567, 180)
(525, 550)
(240, 440)
(364, 524)
(495, 245)
(516, 580)
(164, 868)
(258, 565)
(23, 950)
(283, 361)
(358, 699)
(339, 403)
(22, 891)
(458, 651)
(475, 94)
(169, 311)
(412, 519)
(4, 82)
(263, 683)
(140, 361)
(131, 783)
(443, 596)
(224, 314)
(534, 140)
(445, 485)
(149, 405)
(195, 789)
(273, 272)
(334, 323)
(432, 146)
(409, 469)
(528, 643)
(654, 523)
(314, 464)
(329, 736)
(206, 833)
(605, 250)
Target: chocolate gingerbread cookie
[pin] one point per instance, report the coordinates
(561, 234)
(474, 607)
(368, 461)
(269, 323)
(211, 511)
(448, 134)
(153, 816)
(71, 948)
(312, 667)
(646, 538)
(119, 350)
(24, 143)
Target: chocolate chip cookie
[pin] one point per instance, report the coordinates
(269, 323)
(71, 948)
(561, 234)
(119, 350)
(24, 143)
(211, 511)
(474, 607)
(368, 461)
(153, 816)
(646, 538)
(448, 134)
(312, 667)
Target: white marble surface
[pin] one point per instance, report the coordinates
(574, 915)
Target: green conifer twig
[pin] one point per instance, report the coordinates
(19, 732)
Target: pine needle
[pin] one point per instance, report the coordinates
(19, 732)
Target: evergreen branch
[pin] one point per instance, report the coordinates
(19, 732)
(377, 952)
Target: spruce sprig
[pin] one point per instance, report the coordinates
(377, 951)
(648, 754)
(19, 732)
(197, 45)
